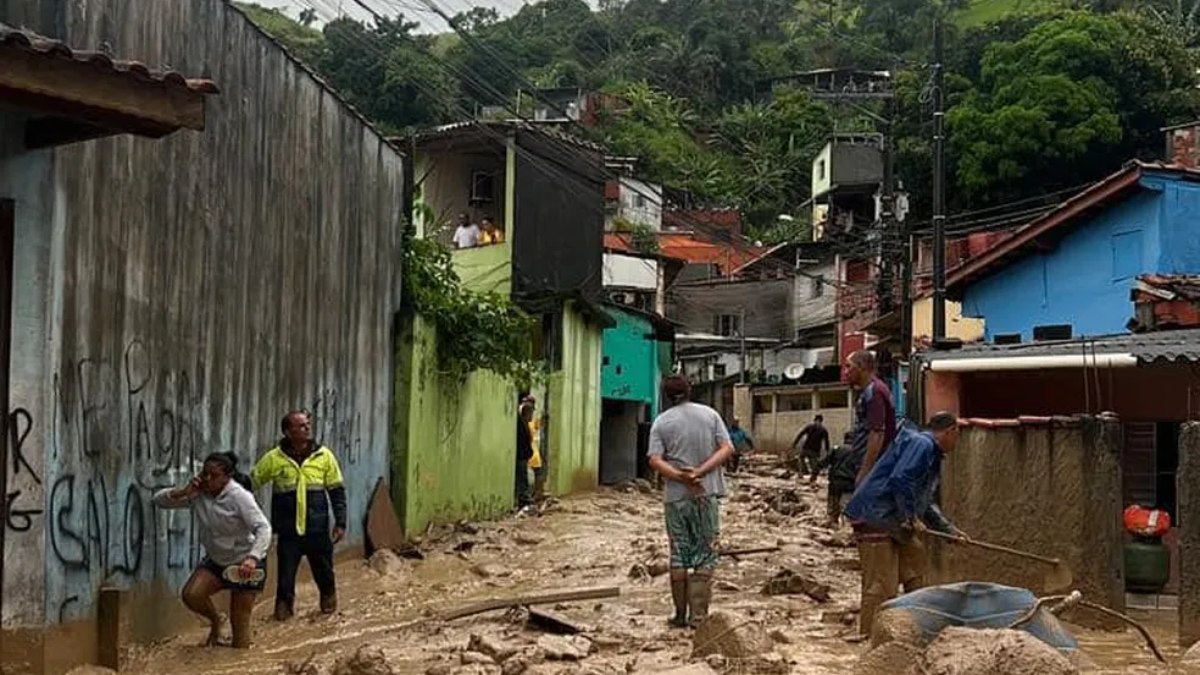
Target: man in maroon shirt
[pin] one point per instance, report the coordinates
(874, 412)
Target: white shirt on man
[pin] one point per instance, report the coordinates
(466, 236)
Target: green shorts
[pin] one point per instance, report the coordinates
(693, 526)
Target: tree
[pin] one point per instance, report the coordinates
(1071, 100)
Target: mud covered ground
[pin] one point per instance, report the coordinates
(585, 541)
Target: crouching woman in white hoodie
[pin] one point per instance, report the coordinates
(236, 537)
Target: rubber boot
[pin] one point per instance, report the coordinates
(329, 603)
(679, 595)
(283, 610)
(699, 596)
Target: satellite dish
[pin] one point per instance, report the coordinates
(795, 371)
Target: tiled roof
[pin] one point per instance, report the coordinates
(16, 38)
(1177, 346)
(1171, 286)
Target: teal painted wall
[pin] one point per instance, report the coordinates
(454, 442)
(630, 369)
(574, 408)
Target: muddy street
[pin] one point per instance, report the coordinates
(610, 538)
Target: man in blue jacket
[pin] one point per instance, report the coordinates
(893, 506)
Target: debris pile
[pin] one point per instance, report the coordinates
(789, 582)
(364, 661)
(962, 651)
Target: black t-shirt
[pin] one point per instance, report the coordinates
(815, 437)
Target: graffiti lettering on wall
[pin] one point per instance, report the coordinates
(337, 427)
(20, 511)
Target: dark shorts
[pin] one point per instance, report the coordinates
(230, 580)
(693, 526)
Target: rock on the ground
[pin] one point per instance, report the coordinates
(893, 658)
(892, 625)
(468, 658)
(492, 647)
(658, 568)
(489, 570)
(527, 539)
(386, 563)
(565, 647)
(966, 651)
(788, 582)
(780, 636)
(440, 669)
(515, 666)
(730, 635)
(306, 667)
(693, 669)
(365, 661)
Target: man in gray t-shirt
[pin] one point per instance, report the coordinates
(688, 445)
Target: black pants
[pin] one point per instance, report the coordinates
(522, 483)
(318, 548)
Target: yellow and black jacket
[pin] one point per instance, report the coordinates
(302, 492)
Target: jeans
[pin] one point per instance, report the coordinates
(318, 548)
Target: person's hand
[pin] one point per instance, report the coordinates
(918, 526)
(338, 534)
(246, 569)
(960, 536)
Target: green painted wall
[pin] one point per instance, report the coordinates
(630, 371)
(486, 268)
(574, 408)
(454, 443)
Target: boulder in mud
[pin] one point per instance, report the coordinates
(893, 658)
(491, 646)
(892, 625)
(565, 647)
(967, 651)
(365, 661)
(788, 582)
(730, 635)
(386, 563)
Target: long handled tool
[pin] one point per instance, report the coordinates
(1058, 578)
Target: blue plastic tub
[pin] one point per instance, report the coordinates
(980, 605)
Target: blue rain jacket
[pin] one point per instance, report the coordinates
(901, 486)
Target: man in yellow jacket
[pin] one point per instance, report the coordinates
(306, 481)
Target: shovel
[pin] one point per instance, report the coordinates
(1058, 578)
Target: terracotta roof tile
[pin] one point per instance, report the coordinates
(16, 38)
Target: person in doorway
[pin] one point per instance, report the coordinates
(537, 463)
(306, 482)
(466, 233)
(874, 412)
(815, 439)
(524, 454)
(842, 472)
(688, 446)
(893, 506)
(490, 234)
(236, 537)
(742, 444)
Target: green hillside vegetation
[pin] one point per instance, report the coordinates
(1043, 94)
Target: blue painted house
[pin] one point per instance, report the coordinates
(1077, 264)
(636, 353)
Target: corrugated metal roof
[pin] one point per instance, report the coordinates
(545, 130)
(16, 38)
(1178, 346)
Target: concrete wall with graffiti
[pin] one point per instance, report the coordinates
(175, 297)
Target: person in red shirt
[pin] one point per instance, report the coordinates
(874, 412)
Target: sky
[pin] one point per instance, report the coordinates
(413, 10)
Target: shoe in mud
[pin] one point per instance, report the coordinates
(329, 603)
(283, 611)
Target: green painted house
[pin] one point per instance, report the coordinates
(455, 443)
(637, 353)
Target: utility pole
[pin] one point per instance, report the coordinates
(939, 185)
(742, 333)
